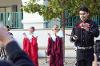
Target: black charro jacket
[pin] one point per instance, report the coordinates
(85, 38)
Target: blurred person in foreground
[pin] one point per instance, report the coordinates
(85, 31)
(3, 55)
(17, 57)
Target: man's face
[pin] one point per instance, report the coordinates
(83, 15)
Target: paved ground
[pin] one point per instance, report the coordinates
(68, 62)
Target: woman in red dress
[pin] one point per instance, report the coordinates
(30, 45)
(55, 47)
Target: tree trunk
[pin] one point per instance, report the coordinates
(63, 28)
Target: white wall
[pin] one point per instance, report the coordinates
(42, 41)
(42, 37)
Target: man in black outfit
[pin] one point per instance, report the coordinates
(16, 56)
(84, 33)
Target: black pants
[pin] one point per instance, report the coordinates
(84, 63)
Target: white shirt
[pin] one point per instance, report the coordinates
(29, 35)
(59, 33)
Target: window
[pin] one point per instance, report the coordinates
(13, 19)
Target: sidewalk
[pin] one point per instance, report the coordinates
(68, 62)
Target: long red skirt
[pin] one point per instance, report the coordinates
(31, 48)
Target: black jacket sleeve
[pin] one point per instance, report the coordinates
(17, 56)
(72, 34)
(94, 30)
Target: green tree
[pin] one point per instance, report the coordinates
(57, 8)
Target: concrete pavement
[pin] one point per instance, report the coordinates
(68, 62)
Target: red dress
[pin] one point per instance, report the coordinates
(55, 51)
(31, 48)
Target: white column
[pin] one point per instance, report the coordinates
(30, 19)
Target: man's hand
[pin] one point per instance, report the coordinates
(85, 26)
(75, 37)
(81, 25)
